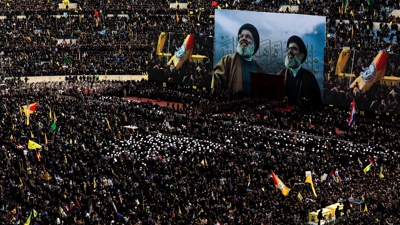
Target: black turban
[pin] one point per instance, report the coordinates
(300, 44)
(254, 32)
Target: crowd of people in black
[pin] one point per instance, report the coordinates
(104, 37)
(105, 159)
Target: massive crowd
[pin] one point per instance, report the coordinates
(110, 160)
(105, 159)
(108, 37)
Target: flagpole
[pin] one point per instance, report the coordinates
(169, 41)
(352, 65)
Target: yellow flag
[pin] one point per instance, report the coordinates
(33, 145)
(32, 108)
(342, 60)
(299, 196)
(28, 221)
(381, 172)
(32, 136)
(366, 169)
(27, 119)
(45, 139)
(108, 124)
(308, 180)
(365, 208)
(94, 183)
(35, 213)
(50, 116)
(179, 210)
(279, 184)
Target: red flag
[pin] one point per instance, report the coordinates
(350, 121)
(96, 14)
(214, 3)
(371, 161)
(335, 42)
(332, 172)
(38, 157)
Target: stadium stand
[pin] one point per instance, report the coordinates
(85, 154)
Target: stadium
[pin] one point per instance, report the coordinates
(187, 112)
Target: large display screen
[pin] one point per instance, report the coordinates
(269, 35)
(371, 78)
(181, 59)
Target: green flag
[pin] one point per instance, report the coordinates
(53, 126)
(66, 59)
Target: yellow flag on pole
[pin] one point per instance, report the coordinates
(28, 221)
(33, 145)
(278, 184)
(366, 169)
(381, 172)
(108, 124)
(309, 180)
(342, 61)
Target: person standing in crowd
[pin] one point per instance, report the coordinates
(299, 82)
(233, 71)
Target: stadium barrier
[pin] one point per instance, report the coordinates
(35, 79)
